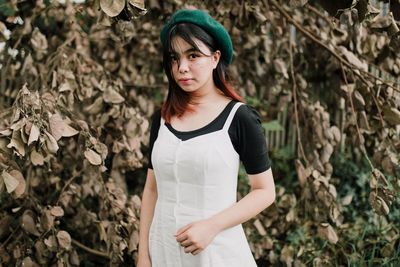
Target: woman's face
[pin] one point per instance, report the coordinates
(192, 69)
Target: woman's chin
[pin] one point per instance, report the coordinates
(189, 89)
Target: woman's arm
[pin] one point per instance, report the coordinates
(261, 196)
(149, 199)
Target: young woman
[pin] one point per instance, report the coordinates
(190, 216)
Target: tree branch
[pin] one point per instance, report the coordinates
(360, 137)
(296, 113)
(357, 71)
(90, 250)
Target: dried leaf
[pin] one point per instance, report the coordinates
(137, 3)
(395, 45)
(28, 223)
(64, 239)
(372, 12)
(385, 207)
(51, 143)
(95, 107)
(47, 220)
(326, 231)
(74, 258)
(332, 190)
(6, 132)
(287, 255)
(378, 204)
(302, 173)
(280, 66)
(363, 119)
(10, 181)
(20, 189)
(57, 211)
(317, 164)
(290, 216)
(351, 57)
(27, 128)
(347, 200)
(51, 243)
(136, 202)
(326, 153)
(383, 23)
(93, 157)
(133, 241)
(112, 96)
(65, 86)
(18, 125)
(17, 143)
(359, 101)
(34, 134)
(297, 3)
(112, 7)
(59, 128)
(27, 262)
(39, 41)
(40, 250)
(373, 182)
(391, 115)
(379, 176)
(336, 133)
(37, 159)
(334, 213)
(260, 228)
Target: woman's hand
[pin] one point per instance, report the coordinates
(196, 236)
(143, 261)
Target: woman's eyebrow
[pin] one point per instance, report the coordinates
(190, 50)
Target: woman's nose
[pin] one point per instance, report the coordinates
(183, 66)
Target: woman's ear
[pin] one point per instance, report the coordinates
(216, 56)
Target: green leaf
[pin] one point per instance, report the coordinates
(272, 126)
(7, 9)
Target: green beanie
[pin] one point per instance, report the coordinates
(207, 23)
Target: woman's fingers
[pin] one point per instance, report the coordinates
(181, 237)
(183, 229)
(186, 243)
(190, 249)
(197, 251)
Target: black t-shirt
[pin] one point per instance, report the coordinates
(246, 133)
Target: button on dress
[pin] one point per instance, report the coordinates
(196, 179)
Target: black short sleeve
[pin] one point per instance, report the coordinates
(248, 139)
(155, 126)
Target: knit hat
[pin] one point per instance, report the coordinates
(207, 23)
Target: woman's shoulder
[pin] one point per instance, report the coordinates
(247, 114)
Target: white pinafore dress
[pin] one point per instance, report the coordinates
(196, 179)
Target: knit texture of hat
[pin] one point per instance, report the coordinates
(207, 23)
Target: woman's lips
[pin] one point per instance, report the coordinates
(184, 81)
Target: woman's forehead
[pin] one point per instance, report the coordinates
(180, 46)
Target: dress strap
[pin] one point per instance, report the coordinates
(231, 115)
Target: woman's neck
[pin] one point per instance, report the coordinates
(205, 98)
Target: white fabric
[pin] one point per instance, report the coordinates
(196, 179)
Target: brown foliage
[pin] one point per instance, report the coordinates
(77, 89)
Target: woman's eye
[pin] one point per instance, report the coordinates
(193, 56)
